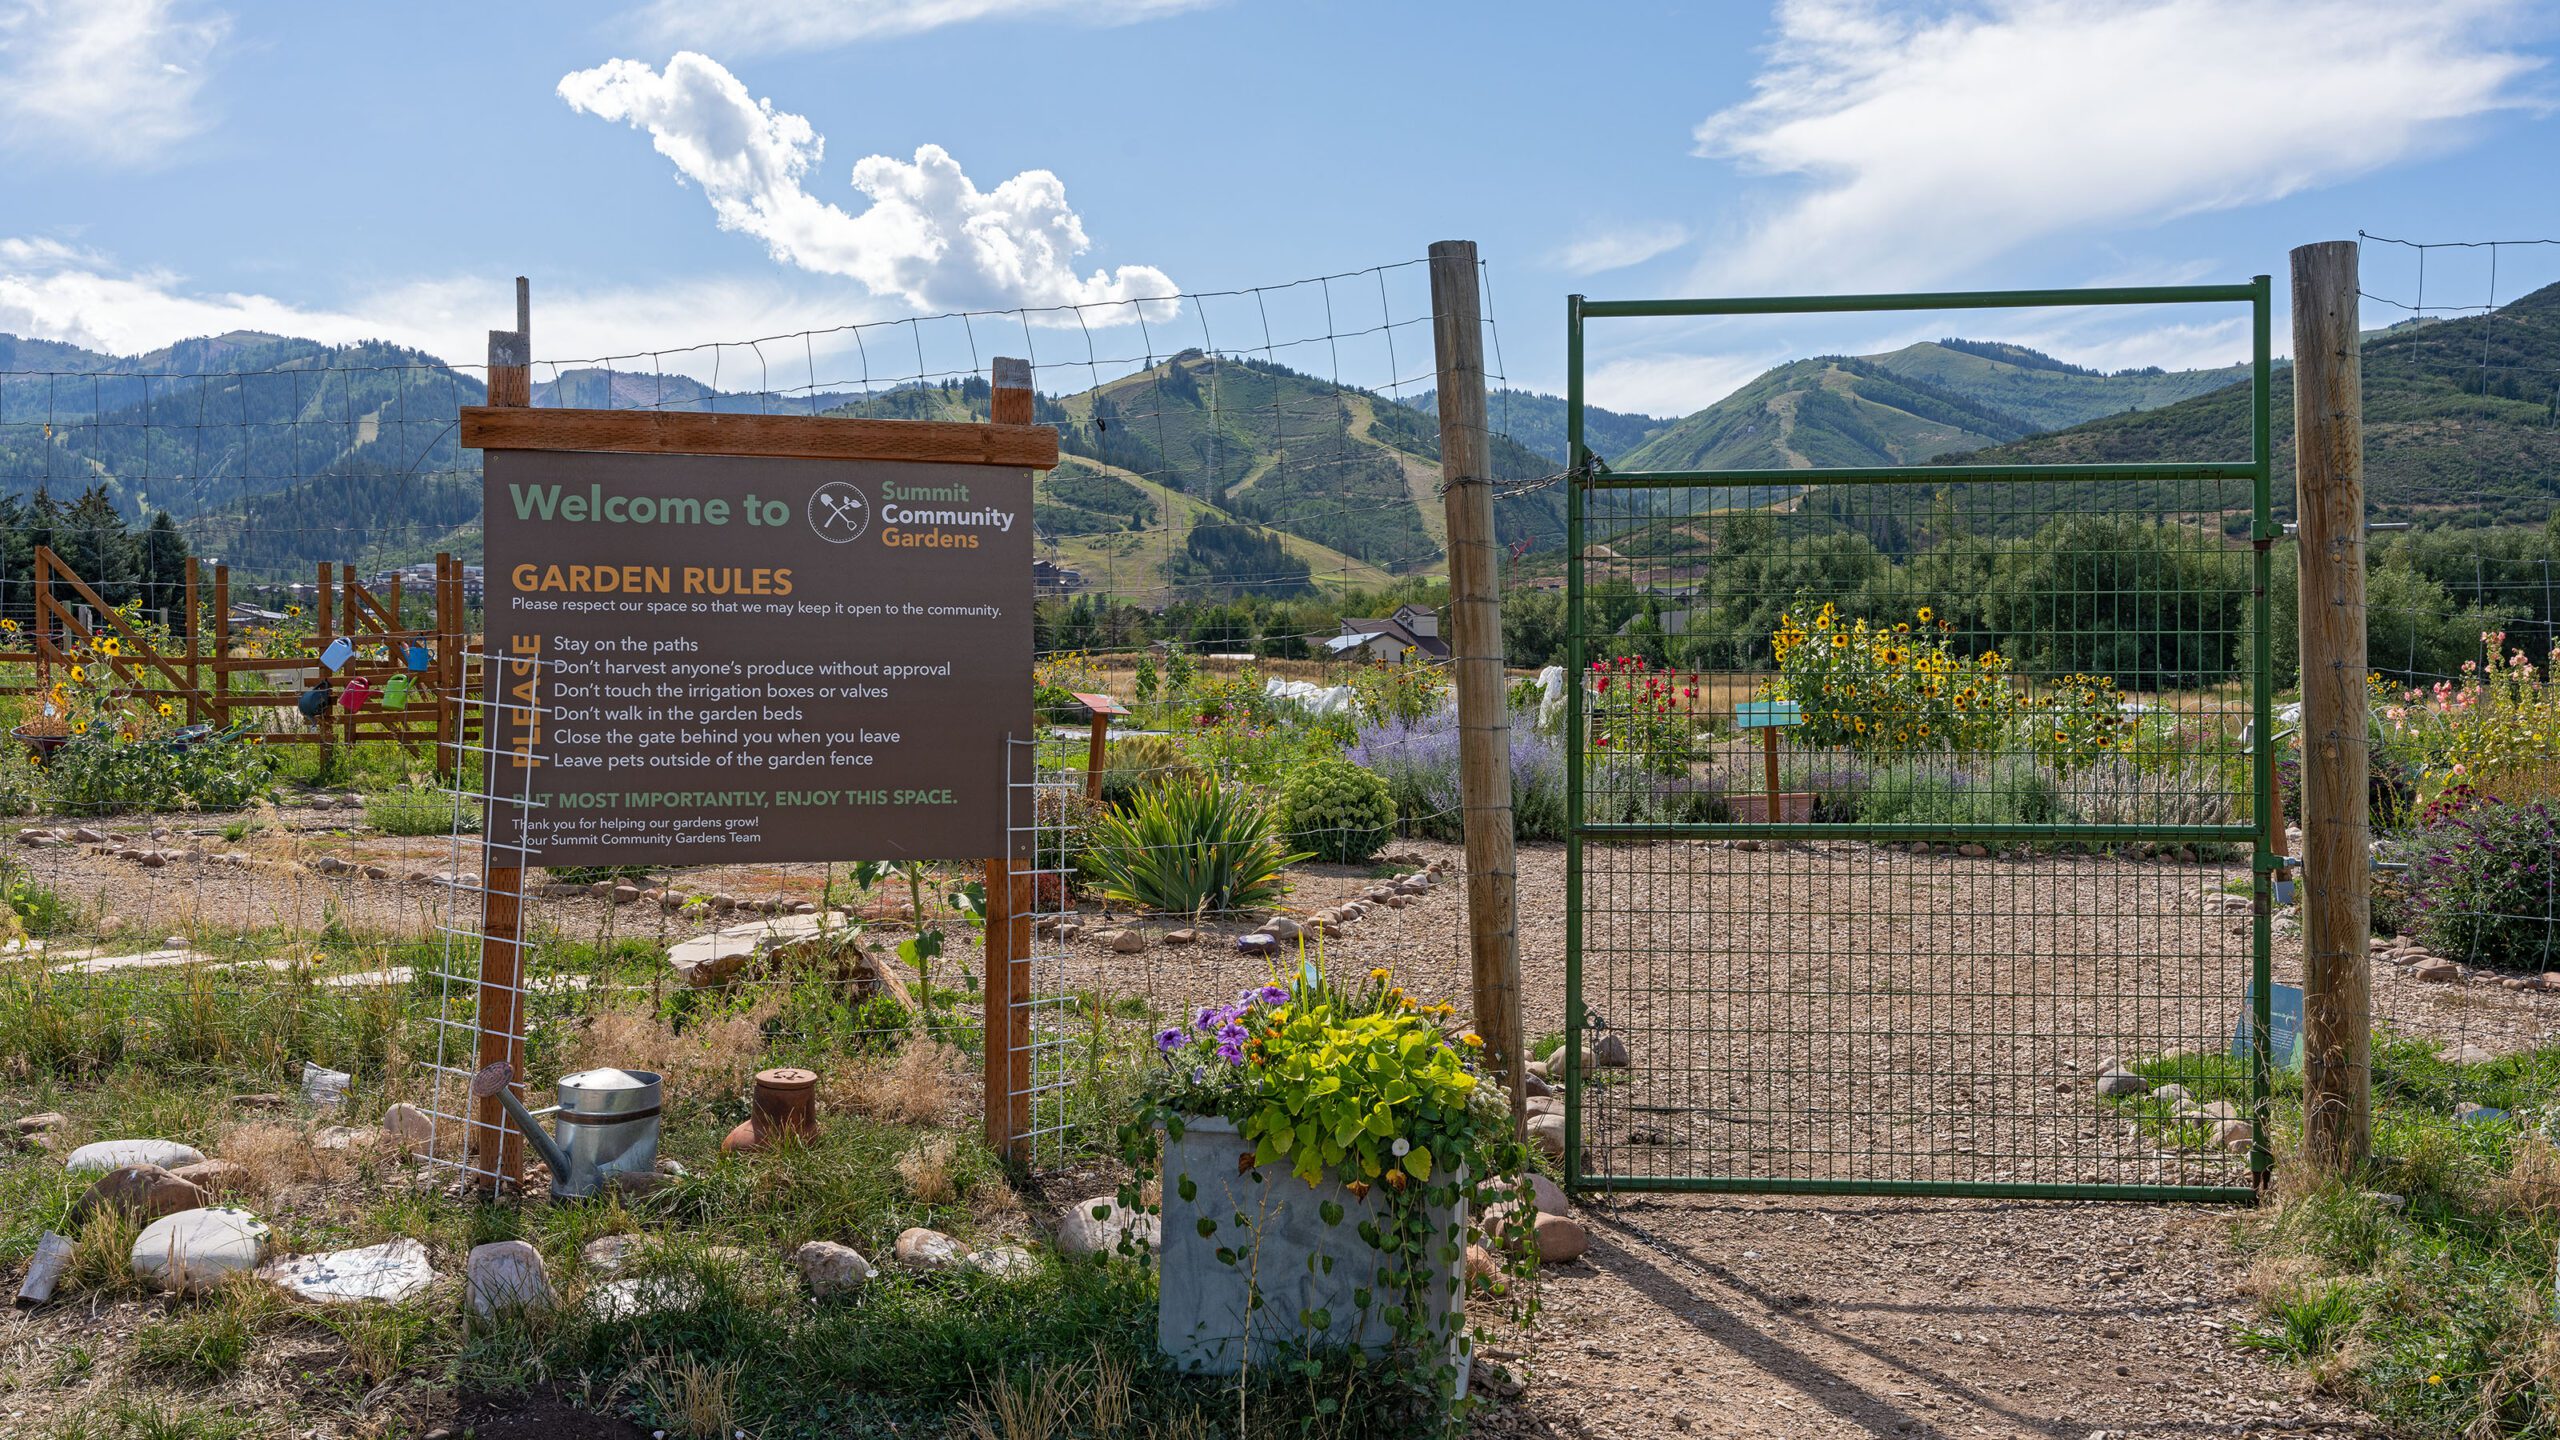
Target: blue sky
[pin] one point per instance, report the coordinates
(677, 173)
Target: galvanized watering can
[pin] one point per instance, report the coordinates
(608, 1123)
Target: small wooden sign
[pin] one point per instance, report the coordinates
(1099, 704)
(1767, 714)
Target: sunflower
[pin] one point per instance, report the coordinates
(1927, 615)
(78, 675)
(110, 647)
(167, 710)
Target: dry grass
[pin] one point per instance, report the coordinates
(716, 1056)
(694, 1400)
(925, 1083)
(927, 1170)
(2530, 1190)
(275, 1155)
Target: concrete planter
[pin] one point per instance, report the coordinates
(1204, 1302)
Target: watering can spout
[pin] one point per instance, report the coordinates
(492, 1082)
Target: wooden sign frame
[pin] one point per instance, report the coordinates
(508, 422)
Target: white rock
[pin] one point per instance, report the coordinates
(107, 1155)
(610, 1253)
(1548, 1132)
(194, 1249)
(1082, 1232)
(2118, 1084)
(324, 1087)
(1005, 1262)
(504, 1276)
(2467, 1053)
(831, 1269)
(921, 1249)
(644, 1295)
(389, 1272)
(408, 1127)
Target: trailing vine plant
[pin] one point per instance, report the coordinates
(1364, 1087)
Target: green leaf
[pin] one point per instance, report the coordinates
(1208, 1227)
(1331, 1210)
(1188, 1188)
(1417, 1162)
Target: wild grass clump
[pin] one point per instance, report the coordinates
(416, 810)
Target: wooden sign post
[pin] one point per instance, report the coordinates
(725, 639)
(1769, 717)
(1102, 707)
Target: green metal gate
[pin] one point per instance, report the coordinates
(1918, 841)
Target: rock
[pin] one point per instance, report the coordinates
(215, 1177)
(2217, 1111)
(323, 1087)
(1972, 851)
(1549, 1196)
(1533, 1087)
(408, 1127)
(2439, 971)
(87, 836)
(2172, 1095)
(1561, 1239)
(148, 1191)
(1282, 927)
(2231, 1135)
(609, 1253)
(343, 1137)
(671, 900)
(195, 1249)
(2467, 1053)
(2465, 1110)
(1260, 942)
(1081, 1231)
(331, 865)
(260, 1100)
(1481, 1266)
(724, 902)
(1544, 1105)
(2116, 1084)
(764, 945)
(1609, 1052)
(1547, 1131)
(377, 872)
(828, 1268)
(153, 859)
(644, 1295)
(2550, 980)
(925, 1250)
(38, 1123)
(505, 1276)
(1647, 1135)
(108, 1155)
(44, 1270)
(1128, 942)
(388, 1273)
(1182, 937)
(1540, 1069)
(1396, 900)
(1005, 1262)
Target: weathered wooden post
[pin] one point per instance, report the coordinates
(1475, 633)
(2328, 421)
(500, 1014)
(1011, 892)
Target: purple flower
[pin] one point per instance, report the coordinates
(1208, 1019)
(1232, 1051)
(1167, 1039)
(1273, 995)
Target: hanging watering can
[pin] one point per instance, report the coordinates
(340, 651)
(353, 697)
(608, 1125)
(395, 695)
(315, 701)
(419, 659)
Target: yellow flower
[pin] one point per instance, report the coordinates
(78, 674)
(110, 646)
(79, 727)
(1378, 974)
(1472, 1040)
(1927, 615)
(11, 626)
(167, 710)
(293, 610)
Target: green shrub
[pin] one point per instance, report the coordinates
(1334, 810)
(2484, 886)
(102, 774)
(1191, 846)
(2007, 793)
(1132, 764)
(416, 810)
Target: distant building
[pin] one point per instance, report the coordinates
(1050, 575)
(1412, 628)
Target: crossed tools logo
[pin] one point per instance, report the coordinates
(839, 512)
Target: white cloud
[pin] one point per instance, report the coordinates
(1671, 383)
(53, 291)
(1619, 247)
(763, 27)
(930, 236)
(112, 81)
(1931, 142)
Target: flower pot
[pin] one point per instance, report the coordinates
(1204, 1303)
(786, 1100)
(41, 744)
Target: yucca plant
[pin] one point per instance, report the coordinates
(1191, 846)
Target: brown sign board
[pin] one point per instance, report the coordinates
(754, 658)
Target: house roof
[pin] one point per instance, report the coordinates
(1361, 632)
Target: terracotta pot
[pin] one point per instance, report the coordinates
(785, 1100)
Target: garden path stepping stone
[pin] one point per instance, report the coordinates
(108, 1155)
(140, 960)
(364, 979)
(194, 1249)
(389, 1273)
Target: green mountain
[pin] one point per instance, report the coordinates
(1934, 398)
(1536, 422)
(2461, 418)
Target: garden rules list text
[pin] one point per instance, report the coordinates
(754, 659)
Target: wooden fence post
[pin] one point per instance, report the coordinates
(1475, 631)
(1010, 892)
(2328, 421)
(440, 653)
(500, 1010)
(195, 647)
(219, 701)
